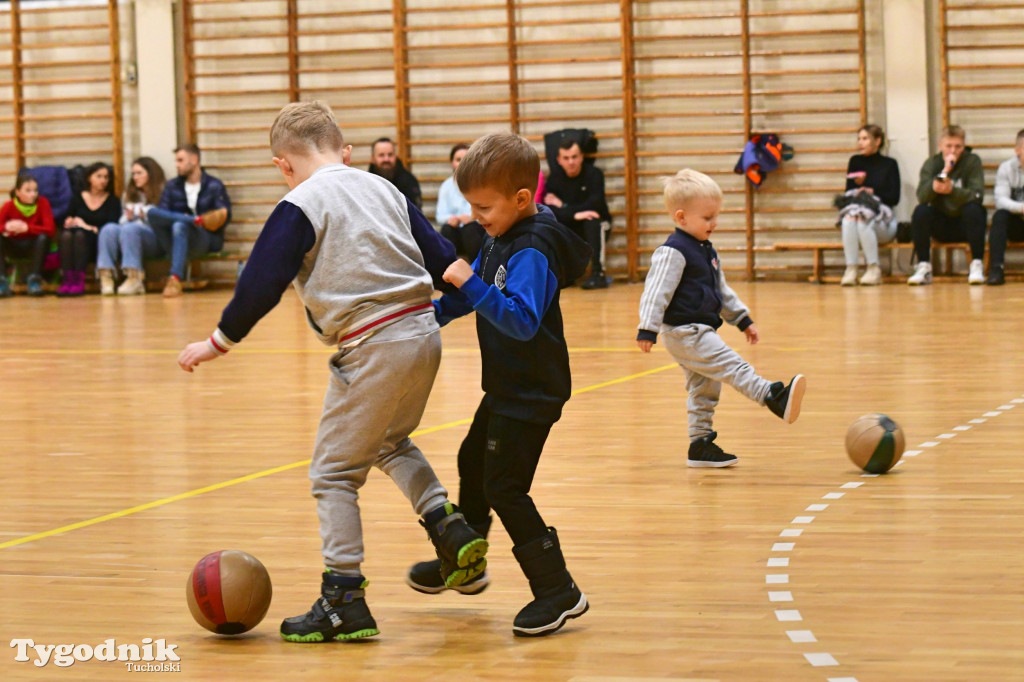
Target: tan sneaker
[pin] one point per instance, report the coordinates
(134, 283)
(106, 282)
(213, 220)
(849, 277)
(872, 276)
(173, 287)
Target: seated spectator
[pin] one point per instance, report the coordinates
(949, 193)
(575, 194)
(866, 216)
(131, 238)
(90, 210)
(453, 213)
(193, 213)
(384, 162)
(1008, 221)
(26, 227)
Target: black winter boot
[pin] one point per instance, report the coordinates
(426, 577)
(340, 613)
(460, 549)
(556, 597)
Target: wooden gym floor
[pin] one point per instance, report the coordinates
(121, 471)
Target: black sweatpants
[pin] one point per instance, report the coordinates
(467, 239)
(497, 461)
(33, 246)
(1005, 226)
(590, 232)
(930, 223)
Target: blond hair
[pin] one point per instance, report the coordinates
(954, 131)
(687, 185)
(505, 162)
(304, 127)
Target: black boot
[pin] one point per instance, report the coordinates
(340, 613)
(426, 577)
(556, 597)
(460, 548)
(784, 401)
(705, 453)
(996, 276)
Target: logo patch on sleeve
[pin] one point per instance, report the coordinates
(499, 277)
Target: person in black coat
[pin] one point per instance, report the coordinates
(574, 191)
(384, 162)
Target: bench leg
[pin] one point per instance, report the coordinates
(819, 265)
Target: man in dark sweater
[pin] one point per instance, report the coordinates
(949, 196)
(574, 192)
(384, 162)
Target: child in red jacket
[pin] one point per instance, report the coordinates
(26, 227)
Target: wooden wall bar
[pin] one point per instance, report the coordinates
(62, 95)
(666, 84)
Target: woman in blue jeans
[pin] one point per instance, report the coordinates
(132, 239)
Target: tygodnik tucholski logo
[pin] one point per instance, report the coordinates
(150, 656)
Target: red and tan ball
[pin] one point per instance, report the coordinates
(228, 592)
(875, 443)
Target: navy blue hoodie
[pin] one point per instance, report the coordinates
(515, 293)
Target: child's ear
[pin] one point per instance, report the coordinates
(679, 216)
(284, 166)
(524, 198)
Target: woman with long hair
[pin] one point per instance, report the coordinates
(132, 239)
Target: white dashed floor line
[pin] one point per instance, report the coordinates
(825, 659)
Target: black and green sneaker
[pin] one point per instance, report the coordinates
(460, 548)
(426, 577)
(340, 613)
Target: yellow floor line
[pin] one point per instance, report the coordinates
(268, 472)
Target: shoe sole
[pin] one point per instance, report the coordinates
(575, 612)
(318, 637)
(796, 396)
(475, 587)
(471, 563)
(701, 464)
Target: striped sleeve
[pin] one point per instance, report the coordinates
(667, 265)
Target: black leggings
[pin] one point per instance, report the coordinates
(497, 462)
(34, 246)
(466, 239)
(77, 248)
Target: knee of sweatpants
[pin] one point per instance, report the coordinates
(501, 494)
(922, 215)
(975, 213)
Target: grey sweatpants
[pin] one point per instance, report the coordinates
(375, 399)
(709, 362)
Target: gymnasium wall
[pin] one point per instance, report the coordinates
(666, 84)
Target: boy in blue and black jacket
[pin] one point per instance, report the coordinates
(513, 285)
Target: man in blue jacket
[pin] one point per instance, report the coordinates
(193, 212)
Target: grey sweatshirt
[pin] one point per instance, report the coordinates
(1010, 186)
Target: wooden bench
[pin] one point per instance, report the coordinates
(942, 268)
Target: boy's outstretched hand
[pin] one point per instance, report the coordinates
(645, 346)
(458, 272)
(751, 333)
(194, 354)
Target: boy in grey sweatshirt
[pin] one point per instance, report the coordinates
(1008, 220)
(364, 262)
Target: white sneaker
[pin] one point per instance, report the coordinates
(849, 277)
(872, 276)
(106, 282)
(922, 274)
(977, 274)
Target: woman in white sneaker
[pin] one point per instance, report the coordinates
(865, 210)
(132, 238)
